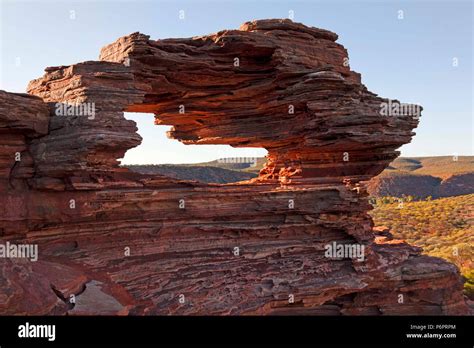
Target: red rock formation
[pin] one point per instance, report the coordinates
(126, 243)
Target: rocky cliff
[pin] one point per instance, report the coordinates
(112, 241)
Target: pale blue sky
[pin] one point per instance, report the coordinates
(410, 59)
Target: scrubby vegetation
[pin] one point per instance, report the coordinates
(442, 227)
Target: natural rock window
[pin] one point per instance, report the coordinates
(157, 154)
(158, 245)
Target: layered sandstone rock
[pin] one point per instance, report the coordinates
(126, 243)
(22, 118)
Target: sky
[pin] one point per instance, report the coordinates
(415, 51)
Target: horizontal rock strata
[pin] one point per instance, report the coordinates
(122, 243)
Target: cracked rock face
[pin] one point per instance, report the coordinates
(126, 243)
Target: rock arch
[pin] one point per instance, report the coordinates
(181, 235)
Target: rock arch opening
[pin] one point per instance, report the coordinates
(158, 154)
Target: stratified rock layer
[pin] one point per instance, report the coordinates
(127, 243)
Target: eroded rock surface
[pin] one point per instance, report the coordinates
(137, 244)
